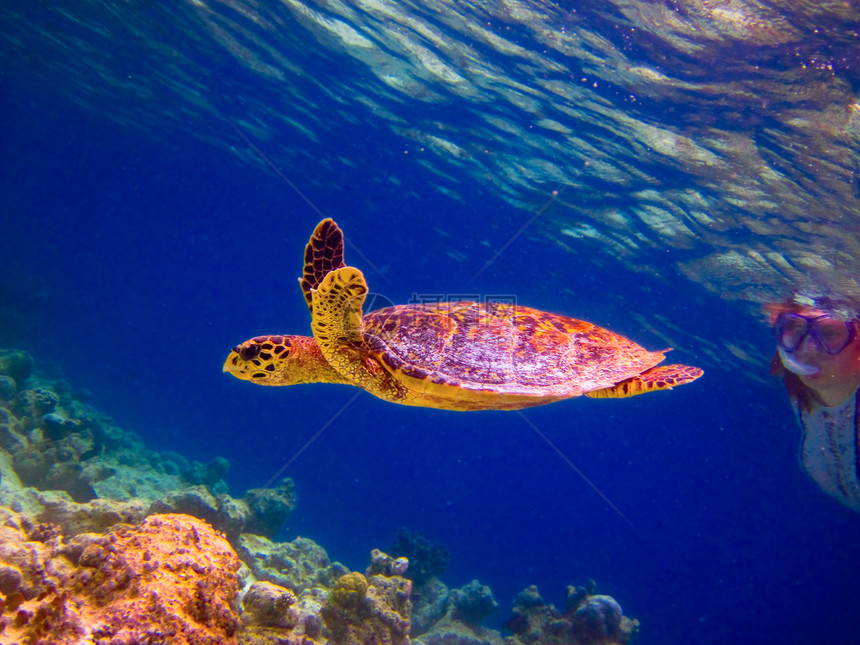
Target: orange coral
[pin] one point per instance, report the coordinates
(170, 579)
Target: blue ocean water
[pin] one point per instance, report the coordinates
(154, 256)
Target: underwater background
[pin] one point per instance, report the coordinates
(163, 167)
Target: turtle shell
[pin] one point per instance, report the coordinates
(501, 350)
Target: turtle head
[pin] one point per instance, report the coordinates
(280, 360)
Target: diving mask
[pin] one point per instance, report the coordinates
(828, 335)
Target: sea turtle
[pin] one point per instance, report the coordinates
(460, 355)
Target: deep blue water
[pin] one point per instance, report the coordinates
(155, 257)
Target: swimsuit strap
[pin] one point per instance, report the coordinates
(856, 403)
(857, 434)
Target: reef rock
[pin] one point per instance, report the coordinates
(426, 558)
(52, 441)
(169, 579)
(443, 617)
(95, 516)
(298, 565)
(11, 437)
(8, 387)
(275, 616)
(222, 512)
(473, 603)
(269, 605)
(15, 364)
(589, 619)
(58, 442)
(459, 634)
(261, 511)
(383, 564)
(368, 610)
(269, 508)
(430, 604)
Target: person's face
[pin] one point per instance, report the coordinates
(833, 369)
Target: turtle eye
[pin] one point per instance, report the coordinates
(249, 352)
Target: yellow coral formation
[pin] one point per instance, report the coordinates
(349, 591)
(369, 610)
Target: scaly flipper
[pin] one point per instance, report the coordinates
(338, 329)
(662, 377)
(323, 254)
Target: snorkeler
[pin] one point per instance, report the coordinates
(819, 359)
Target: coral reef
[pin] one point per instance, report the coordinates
(57, 442)
(50, 440)
(103, 541)
(426, 558)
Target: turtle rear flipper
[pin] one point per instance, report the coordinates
(662, 377)
(323, 254)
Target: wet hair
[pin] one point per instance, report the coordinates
(774, 310)
(840, 310)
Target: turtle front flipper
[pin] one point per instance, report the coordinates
(323, 254)
(337, 326)
(662, 377)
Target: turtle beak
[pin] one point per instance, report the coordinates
(230, 363)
